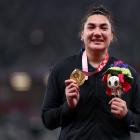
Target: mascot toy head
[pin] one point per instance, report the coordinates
(113, 82)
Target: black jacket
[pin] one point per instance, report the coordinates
(91, 119)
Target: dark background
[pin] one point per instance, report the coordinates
(36, 34)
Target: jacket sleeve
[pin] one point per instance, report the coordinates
(55, 110)
(133, 115)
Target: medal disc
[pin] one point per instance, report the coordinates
(78, 76)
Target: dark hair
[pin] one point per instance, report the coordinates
(99, 10)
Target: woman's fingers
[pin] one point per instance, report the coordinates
(68, 81)
(72, 93)
(118, 107)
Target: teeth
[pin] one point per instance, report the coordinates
(97, 40)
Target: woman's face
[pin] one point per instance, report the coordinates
(97, 33)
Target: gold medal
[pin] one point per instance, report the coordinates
(78, 76)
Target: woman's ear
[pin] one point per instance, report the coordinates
(82, 36)
(112, 37)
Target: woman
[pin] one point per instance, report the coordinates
(82, 108)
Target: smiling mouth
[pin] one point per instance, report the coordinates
(97, 41)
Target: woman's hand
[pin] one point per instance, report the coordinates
(72, 93)
(118, 107)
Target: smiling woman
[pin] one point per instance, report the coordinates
(84, 111)
(96, 35)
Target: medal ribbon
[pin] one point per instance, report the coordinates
(98, 69)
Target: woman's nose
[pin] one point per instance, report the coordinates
(97, 32)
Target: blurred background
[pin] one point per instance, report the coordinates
(36, 34)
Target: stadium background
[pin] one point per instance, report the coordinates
(34, 35)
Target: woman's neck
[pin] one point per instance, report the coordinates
(95, 58)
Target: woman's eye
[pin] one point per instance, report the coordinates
(91, 27)
(104, 28)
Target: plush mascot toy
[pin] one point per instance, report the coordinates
(113, 83)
